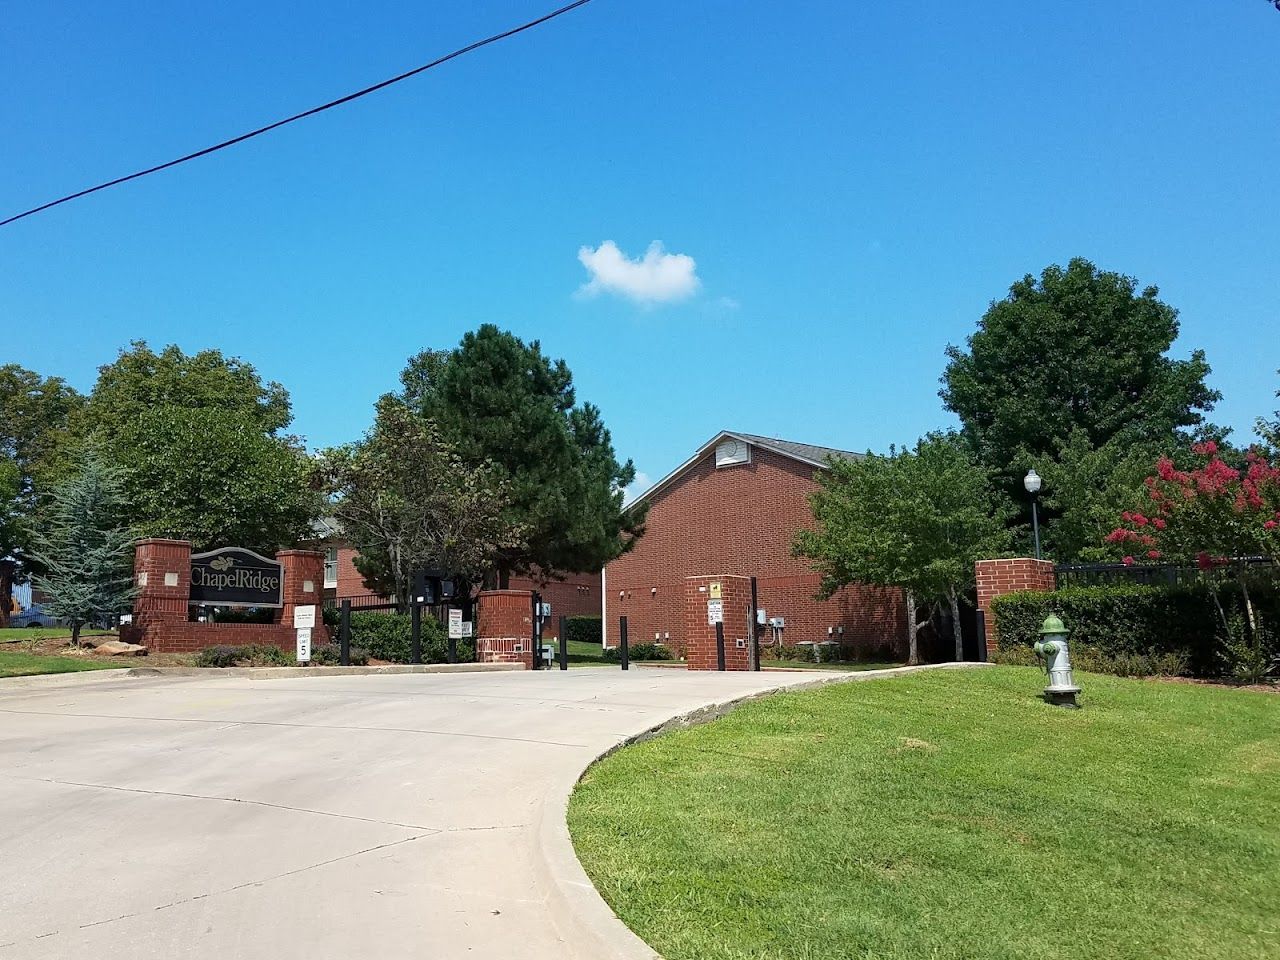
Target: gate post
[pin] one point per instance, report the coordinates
(998, 577)
(624, 651)
(505, 632)
(344, 634)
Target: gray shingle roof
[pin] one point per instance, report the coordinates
(805, 451)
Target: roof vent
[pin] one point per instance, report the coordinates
(732, 452)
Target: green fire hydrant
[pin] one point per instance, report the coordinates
(1051, 648)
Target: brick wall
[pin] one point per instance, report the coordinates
(162, 572)
(998, 577)
(741, 520)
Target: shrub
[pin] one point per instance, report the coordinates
(330, 655)
(1135, 630)
(250, 655)
(640, 651)
(387, 636)
(1092, 660)
(585, 630)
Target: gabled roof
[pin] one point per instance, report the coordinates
(808, 453)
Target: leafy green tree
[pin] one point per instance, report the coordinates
(85, 551)
(33, 412)
(498, 400)
(407, 502)
(199, 438)
(1074, 361)
(916, 519)
(211, 476)
(141, 380)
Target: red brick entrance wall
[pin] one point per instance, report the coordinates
(998, 577)
(162, 572)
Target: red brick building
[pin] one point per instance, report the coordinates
(734, 508)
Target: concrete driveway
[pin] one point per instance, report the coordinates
(412, 816)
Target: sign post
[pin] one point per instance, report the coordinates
(456, 633)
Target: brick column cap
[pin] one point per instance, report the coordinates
(506, 593)
(176, 543)
(299, 553)
(719, 576)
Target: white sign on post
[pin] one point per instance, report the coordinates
(715, 611)
(455, 625)
(304, 618)
(468, 628)
(304, 645)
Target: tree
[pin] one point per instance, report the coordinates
(209, 475)
(916, 519)
(199, 440)
(86, 553)
(141, 380)
(1074, 360)
(500, 401)
(33, 410)
(407, 502)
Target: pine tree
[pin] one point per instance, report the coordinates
(85, 551)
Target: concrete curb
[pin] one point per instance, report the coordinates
(587, 924)
(255, 673)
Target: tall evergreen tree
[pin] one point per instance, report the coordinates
(34, 411)
(498, 400)
(85, 551)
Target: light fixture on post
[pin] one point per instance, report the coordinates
(1033, 482)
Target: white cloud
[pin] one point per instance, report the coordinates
(639, 485)
(657, 277)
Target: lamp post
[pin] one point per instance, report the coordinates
(1032, 482)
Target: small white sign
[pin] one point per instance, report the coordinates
(304, 617)
(468, 628)
(455, 624)
(545, 611)
(304, 645)
(760, 617)
(715, 611)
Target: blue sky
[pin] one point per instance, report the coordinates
(853, 182)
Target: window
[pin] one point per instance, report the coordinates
(331, 568)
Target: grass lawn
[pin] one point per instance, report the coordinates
(810, 665)
(950, 814)
(16, 664)
(10, 634)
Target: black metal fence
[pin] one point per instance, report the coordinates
(1150, 574)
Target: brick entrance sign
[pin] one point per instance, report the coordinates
(505, 627)
(700, 635)
(998, 577)
(162, 572)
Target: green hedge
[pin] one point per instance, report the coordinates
(386, 636)
(585, 630)
(1164, 625)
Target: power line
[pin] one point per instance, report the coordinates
(306, 113)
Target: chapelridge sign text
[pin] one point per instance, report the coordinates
(235, 577)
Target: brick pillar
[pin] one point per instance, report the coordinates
(998, 577)
(505, 627)
(700, 636)
(303, 572)
(162, 573)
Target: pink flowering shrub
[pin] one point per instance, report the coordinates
(1210, 514)
(1216, 515)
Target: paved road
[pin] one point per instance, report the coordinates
(340, 817)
